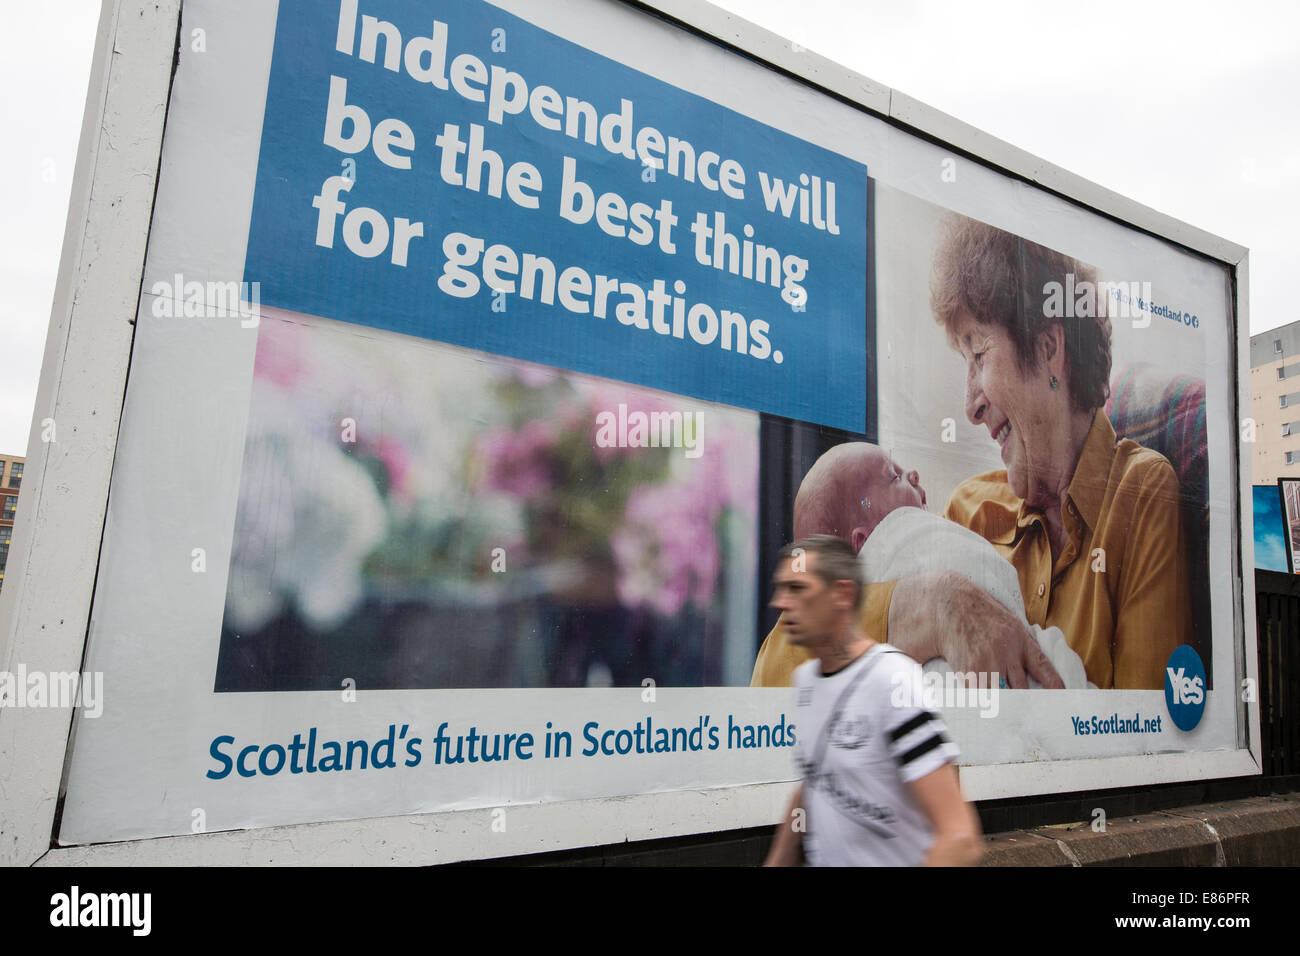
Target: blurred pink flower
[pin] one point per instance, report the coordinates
(517, 462)
(396, 458)
(606, 397)
(534, 376)
(279, 353)
(667, 551)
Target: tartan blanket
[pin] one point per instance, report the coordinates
(1166, 413)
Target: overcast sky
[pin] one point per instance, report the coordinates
(1186, 107)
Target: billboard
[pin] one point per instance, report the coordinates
(1288, 490)
(479, 374)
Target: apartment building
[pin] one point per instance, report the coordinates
(11, 479)
(1275, 404)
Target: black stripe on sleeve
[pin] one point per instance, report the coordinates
(901, 731)
(921, 749)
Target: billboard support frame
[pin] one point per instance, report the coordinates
(45, 611)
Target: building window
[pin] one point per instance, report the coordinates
(15, 474)
(1286, 429)
(10, 506)
(1281, 372)
(1290, 457)
(1277, 346)
(1283, 401)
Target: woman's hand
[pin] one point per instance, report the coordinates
(943, 614)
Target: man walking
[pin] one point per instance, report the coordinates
(879, 784)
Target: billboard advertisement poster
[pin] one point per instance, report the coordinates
(1273, 549)
(1289, 490)
(482, 371)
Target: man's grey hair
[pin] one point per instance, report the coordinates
(835, 560)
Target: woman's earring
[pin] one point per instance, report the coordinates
(1054, 383)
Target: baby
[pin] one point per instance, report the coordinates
(856, 491)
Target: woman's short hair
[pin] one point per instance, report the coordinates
(1004, 281)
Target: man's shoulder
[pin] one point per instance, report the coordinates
(807, 672)
(894, 661)
(886, 668)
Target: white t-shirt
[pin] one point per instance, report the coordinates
(864, 734)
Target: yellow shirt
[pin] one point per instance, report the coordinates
(1119, 588)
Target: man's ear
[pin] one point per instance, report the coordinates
(858, 537)
(846, 593)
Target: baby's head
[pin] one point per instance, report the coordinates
(850, 489)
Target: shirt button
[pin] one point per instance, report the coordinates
(1041, 589)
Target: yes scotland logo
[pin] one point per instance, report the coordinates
(1185, 687)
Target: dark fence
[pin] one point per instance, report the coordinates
(1277, 617)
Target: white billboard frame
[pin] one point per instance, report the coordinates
(44, 612)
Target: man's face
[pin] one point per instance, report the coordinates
(807, 603)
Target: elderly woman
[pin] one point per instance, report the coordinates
(1091, 524)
